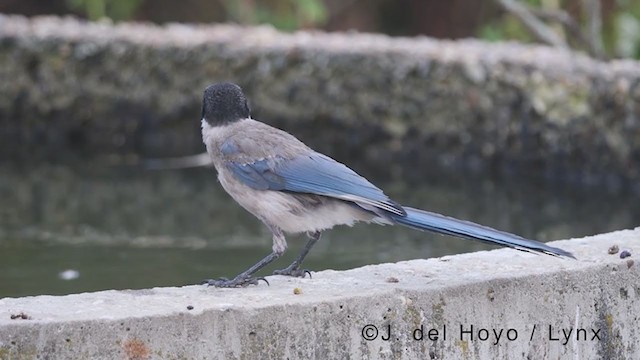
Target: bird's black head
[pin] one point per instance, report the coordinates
(224, 103)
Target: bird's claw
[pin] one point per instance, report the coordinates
(234, 283)
(294, 271)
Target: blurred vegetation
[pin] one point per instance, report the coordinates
(602, 28)
(618, 24)
(624, 35)
(117, 10)
(282, 14)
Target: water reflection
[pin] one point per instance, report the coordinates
(133, 228)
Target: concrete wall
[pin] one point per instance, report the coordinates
(500, 304)
(77, 90)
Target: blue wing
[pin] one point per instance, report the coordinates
(311, 174)
(315, 173)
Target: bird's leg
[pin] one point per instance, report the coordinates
(245, 278)
(294, 269)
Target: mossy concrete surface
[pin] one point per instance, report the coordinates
(122, 92)
(499, 304)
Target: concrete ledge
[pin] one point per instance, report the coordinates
(467, 300)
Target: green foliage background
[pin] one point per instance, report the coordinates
(620, 31)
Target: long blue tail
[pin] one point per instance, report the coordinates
(424, 220)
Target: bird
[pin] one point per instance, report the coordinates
(293, 189)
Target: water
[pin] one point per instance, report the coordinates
(129, 228)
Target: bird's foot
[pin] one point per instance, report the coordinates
(293, 270)
(238, 281)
